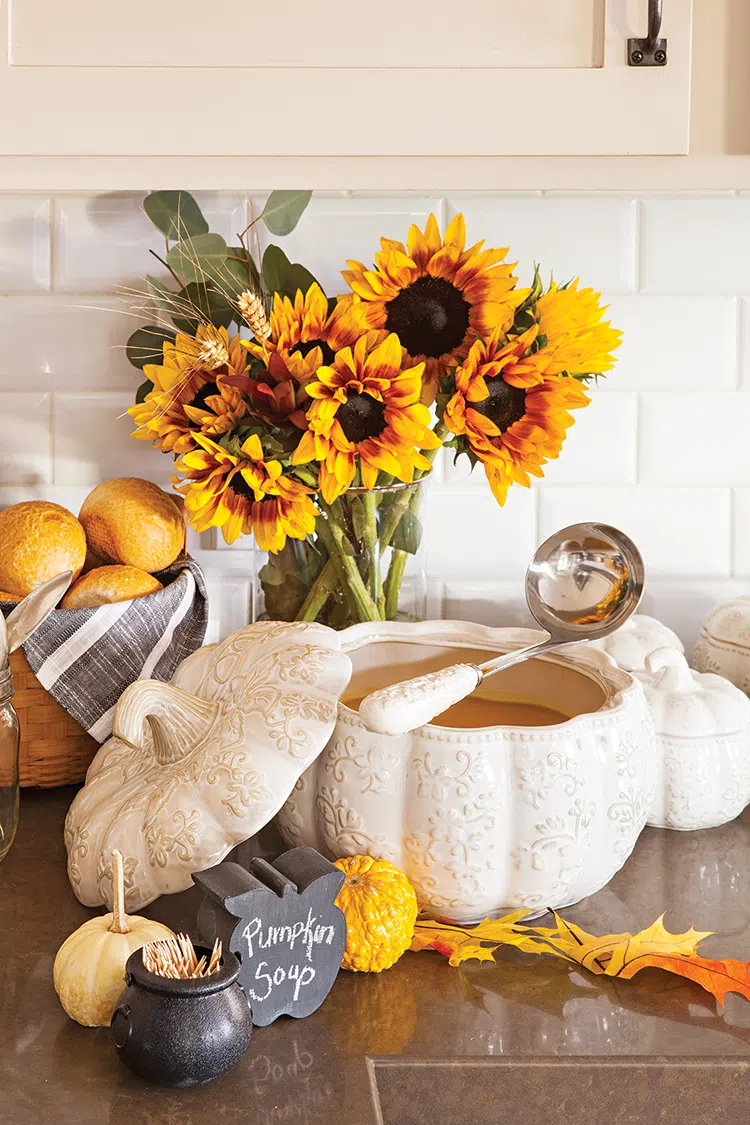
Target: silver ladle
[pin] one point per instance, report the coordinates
(583, 583)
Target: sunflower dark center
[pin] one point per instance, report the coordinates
(505, 404)
(304, 348)
(205, 392)
(430, 317)
(361, 417)
(240, 487)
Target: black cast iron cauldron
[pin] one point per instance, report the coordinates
(182, 1032)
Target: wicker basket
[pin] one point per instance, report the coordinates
(54, 749)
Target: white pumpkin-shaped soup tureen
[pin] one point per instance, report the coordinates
(484, 815)
(702, 725)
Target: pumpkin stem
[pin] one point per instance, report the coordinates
(119, 917)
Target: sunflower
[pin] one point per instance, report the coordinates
(191, 391)
(303, 337)
(244, 494)
(578, 340)
(437, 296)
(366, 410)
(512, 414)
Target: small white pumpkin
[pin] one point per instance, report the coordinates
(632, 642)
(702, 725)
(89, 970)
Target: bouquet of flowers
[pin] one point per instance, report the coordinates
(312, 421)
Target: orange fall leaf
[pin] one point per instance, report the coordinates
(614, 955)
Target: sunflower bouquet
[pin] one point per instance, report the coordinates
(311, 422)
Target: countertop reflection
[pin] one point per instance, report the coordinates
(316, 1071)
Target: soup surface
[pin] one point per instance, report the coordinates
(486, 711)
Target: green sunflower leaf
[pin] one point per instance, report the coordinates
(282, 276)
(199, 258)
(146, 345)
(283, 210)
(408, 534)
(175, 214)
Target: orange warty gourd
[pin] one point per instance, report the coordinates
(380, 908)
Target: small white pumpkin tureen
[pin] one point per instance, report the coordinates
(197, 766)
(632, 642)
(724, 642)
(702, 725)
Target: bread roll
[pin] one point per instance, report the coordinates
(133, 523)
(38, 540)
(110, 584)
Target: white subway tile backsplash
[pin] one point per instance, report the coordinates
(674, 343)
(332, 231)
(470, 537)
(694, 438)
(24, 244)
(491, 603)
(93, 442)
(25, 439)
(69, 343)
(102, 242)
(589, 237)
(694, 245)
(600, 447)
(681, 532)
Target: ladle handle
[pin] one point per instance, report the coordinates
(412, 703)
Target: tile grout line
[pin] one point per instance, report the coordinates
(739, 368)
(637, 247)
(52, 241)
(732, 531)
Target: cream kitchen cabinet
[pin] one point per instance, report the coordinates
(158, 80)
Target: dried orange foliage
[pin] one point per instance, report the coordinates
(615, 955)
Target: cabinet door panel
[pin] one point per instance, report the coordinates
(329, 33)
(158, 79)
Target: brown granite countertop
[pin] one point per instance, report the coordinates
(522, 1040)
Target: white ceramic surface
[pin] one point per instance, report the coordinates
(199, 765)
(723, 646)
(632, 642)
(486, 819)
(702, 726)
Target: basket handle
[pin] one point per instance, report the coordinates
(176, 719)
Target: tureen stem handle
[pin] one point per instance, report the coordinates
(177, 719)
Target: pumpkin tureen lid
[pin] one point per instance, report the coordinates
(728, 623)
(197, 766)
(684, 703)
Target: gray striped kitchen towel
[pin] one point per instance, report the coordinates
(85, 658)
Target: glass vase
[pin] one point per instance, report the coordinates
(365, 562)
(9, 765)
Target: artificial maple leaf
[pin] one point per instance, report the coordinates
(460, 943)
(614, 955)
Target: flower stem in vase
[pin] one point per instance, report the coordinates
(341, 551)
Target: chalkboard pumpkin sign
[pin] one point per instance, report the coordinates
(281, 921)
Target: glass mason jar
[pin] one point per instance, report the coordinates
(9, 751)
(365, 562)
